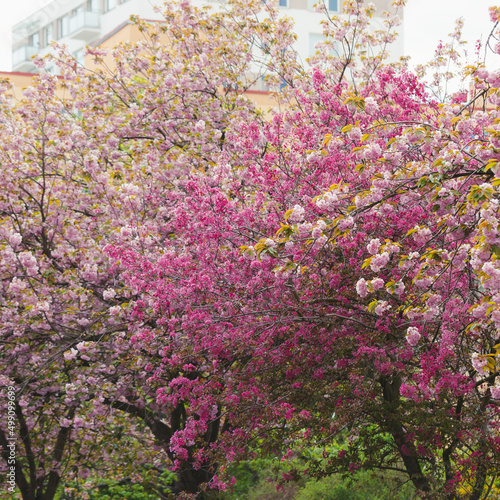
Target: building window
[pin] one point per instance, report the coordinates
(333, 5)
(80, 57)
(34, 40)
(93, 5)
(110, 5)
(48, 34)
(63, 26)
(283, 3)
(315, 38)
(263, 84)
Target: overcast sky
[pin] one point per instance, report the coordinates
(426, 22)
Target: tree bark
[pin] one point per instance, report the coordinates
(391, 395)
(189, 478)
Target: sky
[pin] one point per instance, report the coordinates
(426, 23)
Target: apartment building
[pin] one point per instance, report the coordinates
(75, 23)
(78, 23)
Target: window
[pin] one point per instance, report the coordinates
(263, 84)
(315, 38)
(34, 40)
(110, 5)
(48, 34)
(93, 5)
(283, 3)
(64, 26)
(333, 5)
(80, 57)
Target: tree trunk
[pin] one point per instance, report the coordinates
(190, 481)
(390, 389)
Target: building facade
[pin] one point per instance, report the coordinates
(78, 23)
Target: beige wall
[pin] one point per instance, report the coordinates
(20, 81)
(125, 32)
(130, 33)
(262, 100)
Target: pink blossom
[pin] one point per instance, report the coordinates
(297, 214)
(82, 346)
(494, 14)
(321, 224)
(345, 223)
(421, 235)
(15, 239)
(479, 363)
(126, 231)
(495, 392)
(399, 288)
(29, 262)
(115, 310)
(64, 422)
(371, 105)
(354, 134)
(71, 354)
(373, 246)
(494, 78)
(382, 307)
(316, 232)
(16, 285)
(200, 126)
(379, 261)
(412, 336)
(108, 294)
(148, 158)
(361, 288)
(321, 241)
(78, 422)
(482, 73)
(372, 152)
(480, 310)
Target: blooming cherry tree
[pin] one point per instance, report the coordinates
(109, 165)
(171, 260)
(346, 266)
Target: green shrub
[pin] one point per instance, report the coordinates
(125, 489)
(257, 480)
(363, 485)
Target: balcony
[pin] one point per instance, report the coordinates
(21, 58)
(84, 25)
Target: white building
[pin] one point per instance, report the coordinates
(77, 23)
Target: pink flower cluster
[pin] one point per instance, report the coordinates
(413, 336)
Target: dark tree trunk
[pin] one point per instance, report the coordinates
(190, 481)
(390, 389)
